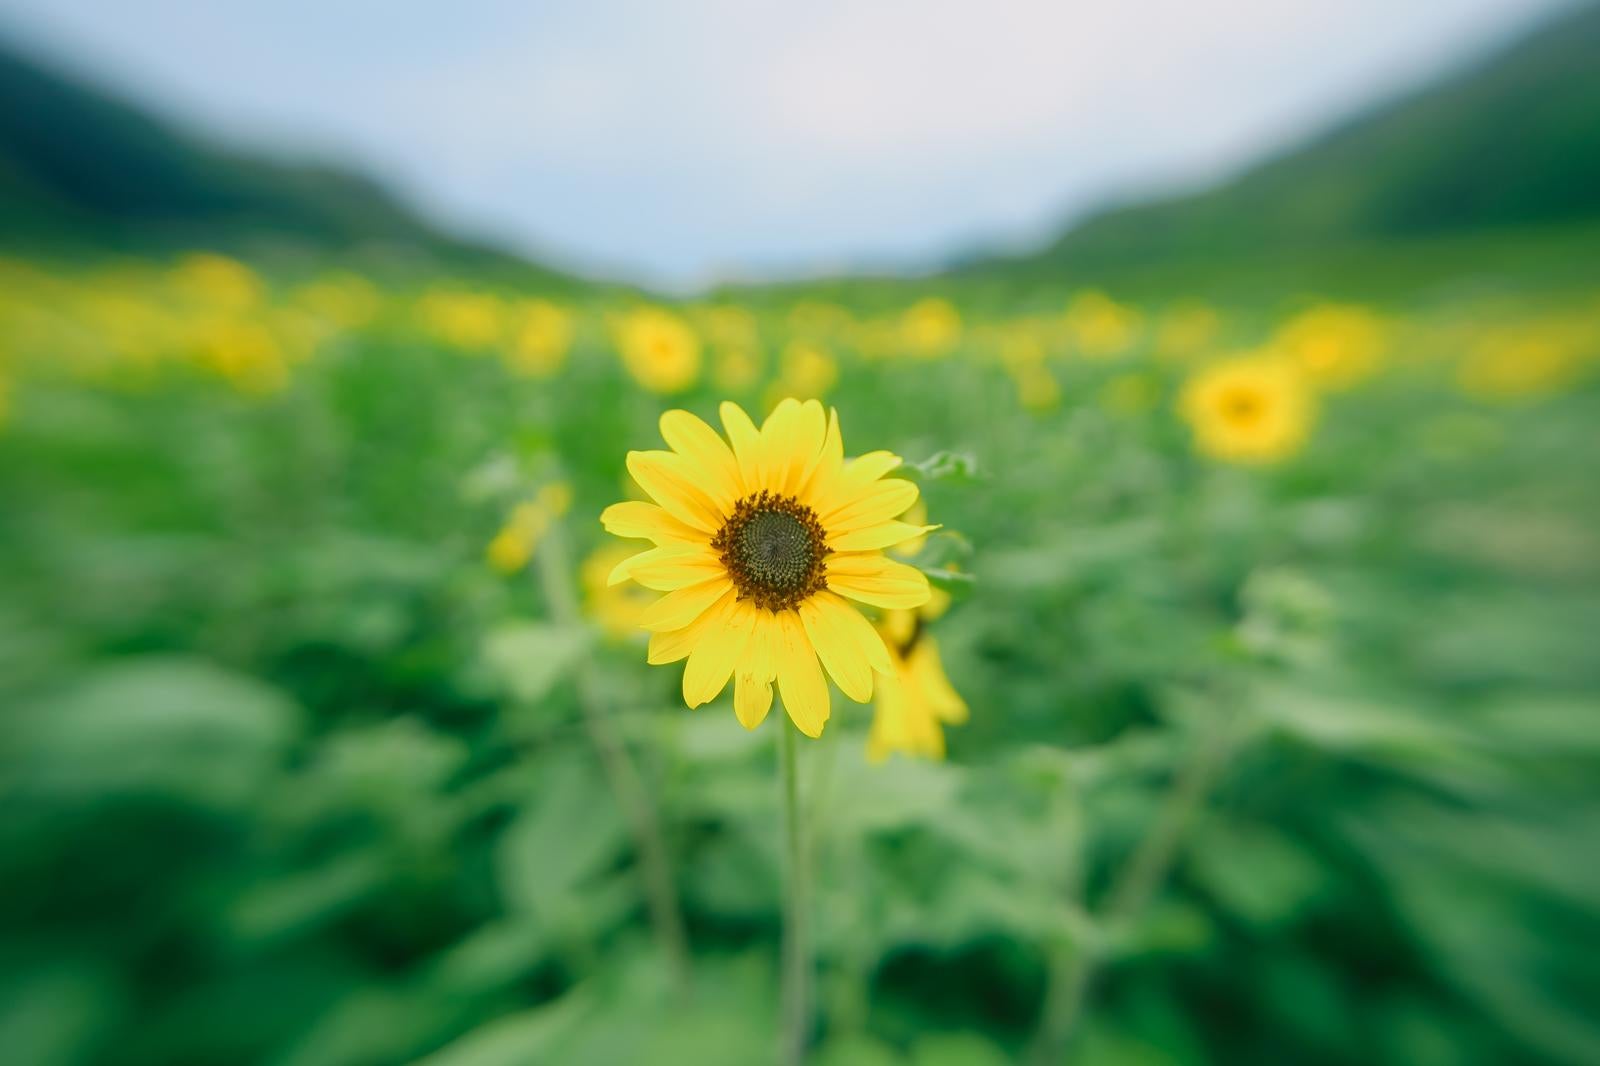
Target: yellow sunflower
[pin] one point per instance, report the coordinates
(659, 349)
(759, 548)
(913, 707)
(1248, 410)
(1335, 346)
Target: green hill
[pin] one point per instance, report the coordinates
(1511, 142)
(79, 168)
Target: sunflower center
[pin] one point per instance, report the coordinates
(1242, 405)
(773, 547)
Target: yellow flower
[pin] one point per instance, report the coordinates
(217, 282)
(758, 547)
(1099, 326)
(1334, 345)
(735, 369)
(1521, 364)
(659, 350)
(1186, 329)
(930, 327)
(808, 371)
(730, 327)
(347, 300)
(917, 515)
(1021, 346)
(1250, 409)
(509, 551)
(618, 609)
(914, 705)
(513, 546)
(543, 335)
(1037, 388)
(245, 354)
(818, 319)
(463, 318)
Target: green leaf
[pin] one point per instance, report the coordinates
(957, 467)
(516, 1039)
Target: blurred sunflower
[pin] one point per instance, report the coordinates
(513, 546)
(914, 705)
(617, 609)
(540, 341)
(758, 545)
(659, 349)
(1100, 327)
(930, 327)
(808, 371)
(1335, 345)
(1250, 409)
(217, 282)
(466, 319)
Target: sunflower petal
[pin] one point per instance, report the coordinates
(857, 630)
(706, 452)
(671, 481)
(682, 606)
(675, 568)
(635, 518)
(819, 486)
(878, 582)
(855, 479)
(746, 439)
(800, 680)
(779, 444)
(752, 699)
(878, 537)
(670, 647)
(883, 501)
(928, 671)
(624, 570)
(844, 658)
(711, 662)
(753, 676)
(814, 435)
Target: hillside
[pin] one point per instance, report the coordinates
(1511, 142)
(81, 168)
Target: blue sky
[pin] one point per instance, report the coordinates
(678, 142)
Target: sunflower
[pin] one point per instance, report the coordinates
(617, 609)
(1335, 346)
(659, 349)
(1250, 409)
(759, 548)
(913, 707)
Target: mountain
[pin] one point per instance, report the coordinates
(79, 168)
(1513, 141)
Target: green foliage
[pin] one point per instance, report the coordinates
(1299, 758)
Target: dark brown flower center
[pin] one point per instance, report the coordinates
(773, 547)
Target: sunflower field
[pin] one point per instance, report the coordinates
(1183, 667)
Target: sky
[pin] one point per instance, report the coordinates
(678, 142)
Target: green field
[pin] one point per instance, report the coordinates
(324, 745)
(1252, 717)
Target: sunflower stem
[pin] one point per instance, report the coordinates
(622, 775)
(796, 961)
(1074, 968)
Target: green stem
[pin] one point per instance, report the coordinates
(622, 776)
(1074, 968)
(796, 962)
